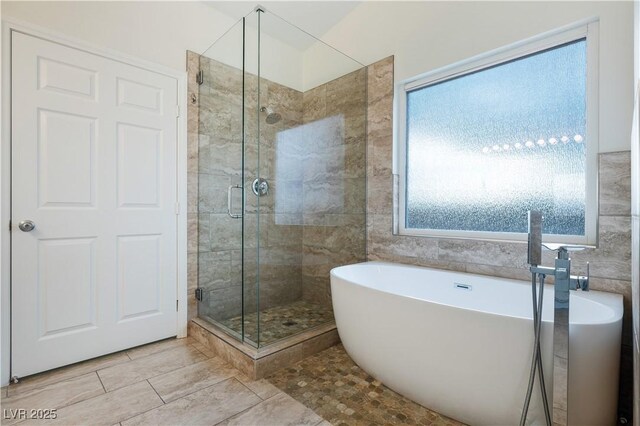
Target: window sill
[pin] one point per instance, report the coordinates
(491, 237)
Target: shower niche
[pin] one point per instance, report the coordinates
(281, 177)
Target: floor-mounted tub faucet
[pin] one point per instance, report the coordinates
(564, 282)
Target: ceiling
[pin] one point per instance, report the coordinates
(315, 17)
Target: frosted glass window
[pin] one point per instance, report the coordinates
(485, 147)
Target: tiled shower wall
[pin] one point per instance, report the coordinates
(314, 160)
(334, 224)
(610, 263)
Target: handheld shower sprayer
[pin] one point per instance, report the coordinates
(534, 240)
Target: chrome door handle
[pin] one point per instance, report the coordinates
(230, 202)
(26, 225)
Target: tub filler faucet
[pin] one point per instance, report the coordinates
(564, 283)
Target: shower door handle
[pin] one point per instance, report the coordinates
(230, 202)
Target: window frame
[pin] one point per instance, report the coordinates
(587, 30)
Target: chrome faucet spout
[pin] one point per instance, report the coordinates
(563, 247)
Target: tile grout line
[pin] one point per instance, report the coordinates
(146, 411)
(105, 389)
(154, 389)
(249, 408)
(197, 390)
(251, 390)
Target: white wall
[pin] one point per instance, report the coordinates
(323, 64)
(279, 62)
(159, 32)
(425, 36)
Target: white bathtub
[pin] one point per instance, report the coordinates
(466, 353)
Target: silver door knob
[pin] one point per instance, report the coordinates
(27, 226)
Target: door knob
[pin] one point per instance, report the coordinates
(27, 226)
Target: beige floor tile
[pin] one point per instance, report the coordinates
(262, 387)
(281, 410)
(109, 408)
(56, 395)
(202, 348)
(160, 346)
(205, 407)
(189, 379)
(149, 366)
(324, 423)
(41, 380)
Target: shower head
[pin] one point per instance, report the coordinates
(272, 116)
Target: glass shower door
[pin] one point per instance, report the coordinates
(253, 92)
(220, 182)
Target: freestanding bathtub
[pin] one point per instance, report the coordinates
(461, 344)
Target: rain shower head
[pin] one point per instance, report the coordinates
(272, 116)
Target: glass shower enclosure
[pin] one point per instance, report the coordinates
(281, 178)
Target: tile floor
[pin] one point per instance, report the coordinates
(172, 382)
(332, 385)
(179, 382)
(281, 321)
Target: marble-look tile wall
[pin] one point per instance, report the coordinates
(610, 263)
(334, 194)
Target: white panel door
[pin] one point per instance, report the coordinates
(94, 168)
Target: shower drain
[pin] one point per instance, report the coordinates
(289, 323)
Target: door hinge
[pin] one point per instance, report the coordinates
(177, 304)
(177, 209)
(177, 110)
(199, 294)
(200, 77)
(9, 225)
